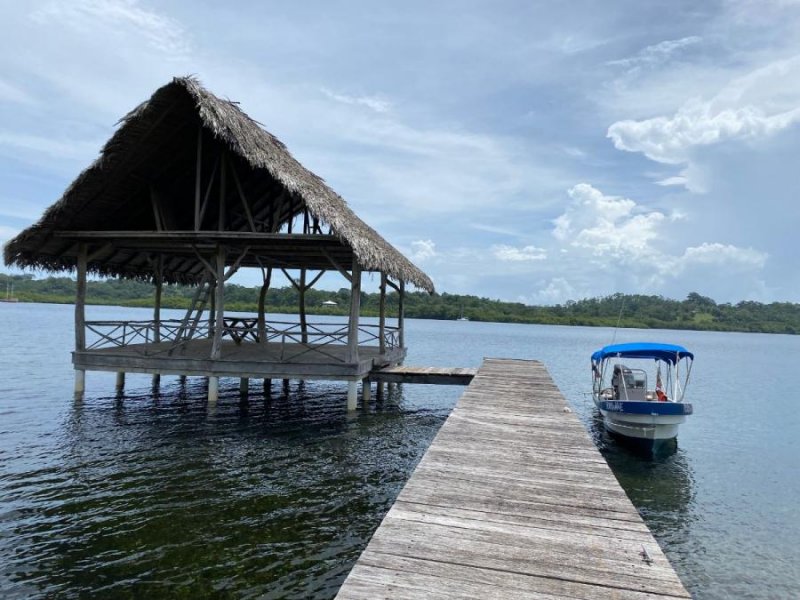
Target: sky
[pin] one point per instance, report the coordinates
(534, 152)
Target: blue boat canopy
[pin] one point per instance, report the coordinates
(670, 353)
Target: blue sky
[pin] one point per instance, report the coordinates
(526, 151)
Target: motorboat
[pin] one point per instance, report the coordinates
(639, 389)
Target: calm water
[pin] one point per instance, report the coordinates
(153, 495)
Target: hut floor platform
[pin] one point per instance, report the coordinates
(512, 500)
(247, 359)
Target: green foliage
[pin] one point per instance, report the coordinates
(647, 312)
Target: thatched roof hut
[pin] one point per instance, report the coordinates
(159, 188)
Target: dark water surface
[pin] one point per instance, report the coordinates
(155, 495)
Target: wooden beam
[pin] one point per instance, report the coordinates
(266, 275)
(80, 300)
(198, 178)
(216, 346)
(208, 192)
(204, 262)
(222, 191)
(355, 310)
(382, 316)
(291, 279)
(315, 280)
(401, 315)
(100, 251)
(241, 195)
(159, 280)
(237, 263)
(337, 266)
(301, 300)
(156, 211)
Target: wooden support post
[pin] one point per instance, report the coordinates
(120, 385)
(244, 386)
(216, 346)
(159, 280)
(301, 295)
(401, 316)
(352, 395)
(80, 314)
(355, 310)
(365, 391)
(266, 274)
(268, 387)
(80, 381)
(213, 390)
(382, 316)
(212, 309)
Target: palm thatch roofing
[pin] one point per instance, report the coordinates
(183, 148)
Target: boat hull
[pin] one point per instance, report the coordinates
(646, 421)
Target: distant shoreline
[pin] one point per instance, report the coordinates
(575, 320)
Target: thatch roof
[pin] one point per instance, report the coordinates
(152, 159)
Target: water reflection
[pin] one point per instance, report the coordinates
(660, 482)
(154, 494)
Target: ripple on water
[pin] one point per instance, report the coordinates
(158, 495)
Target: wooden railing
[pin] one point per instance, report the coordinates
(165, 337)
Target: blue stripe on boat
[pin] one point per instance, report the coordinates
(646, 408)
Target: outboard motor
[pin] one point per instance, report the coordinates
(622, 378)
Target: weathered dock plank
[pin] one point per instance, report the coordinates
(431, 375)
(512, 500)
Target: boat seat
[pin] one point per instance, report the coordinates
(637, 394)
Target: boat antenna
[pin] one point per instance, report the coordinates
(619, 319)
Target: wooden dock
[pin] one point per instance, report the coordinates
(512, 500)
(430, 375)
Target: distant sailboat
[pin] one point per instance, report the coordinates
(461, 317)
(9, 292)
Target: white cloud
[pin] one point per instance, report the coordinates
(675, 180)
(755, 105)
(122, 16)
(422, 250)
(637, 249)
(656, 54)
(715, 254)
(606, 224)
(52, 147)
(494, 229)
(513, 254)
(375, 103)
(556, 291)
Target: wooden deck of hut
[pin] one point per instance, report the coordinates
(189, 190)
(512, 500)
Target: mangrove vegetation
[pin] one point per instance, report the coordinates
(631, 310)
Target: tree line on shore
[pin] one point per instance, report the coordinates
(630, 310)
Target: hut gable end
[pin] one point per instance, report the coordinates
(184, 164)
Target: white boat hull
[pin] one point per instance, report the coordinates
(641, 425)
(642, 431)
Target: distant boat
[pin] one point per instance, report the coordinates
(9, 291)
(629, 407)
(461, 317)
